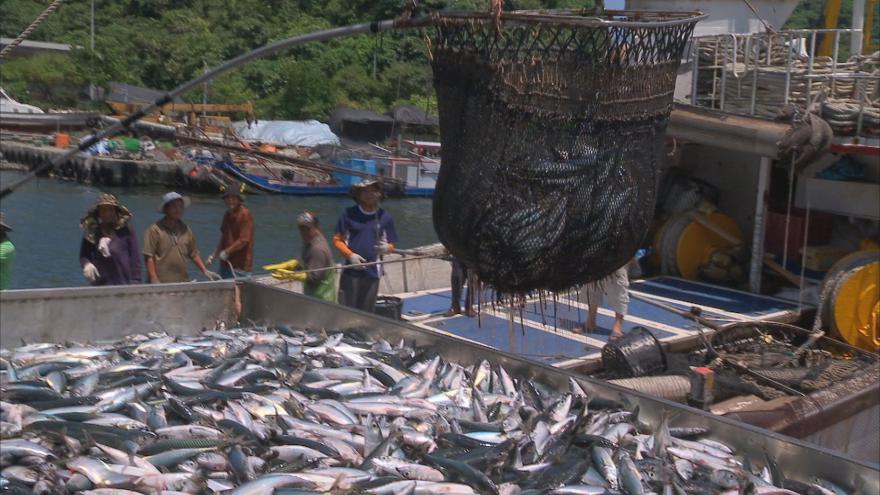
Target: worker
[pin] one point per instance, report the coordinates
(7, 252)
(236, 245)
(364, 232)
(169, 242)
(460, 274)
(614, 291)
(316, 255)
(109, 252)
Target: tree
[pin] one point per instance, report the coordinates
(46, 80)
(307, 94)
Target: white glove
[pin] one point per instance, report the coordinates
(104, 247)
(209, 260)
(356, 259)
(223, 255)
(383, 247)
(91, 273)
(213, 276)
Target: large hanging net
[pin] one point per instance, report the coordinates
(553, 130)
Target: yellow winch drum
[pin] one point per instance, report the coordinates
(852, 308)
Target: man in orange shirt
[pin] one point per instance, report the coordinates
(236, 245)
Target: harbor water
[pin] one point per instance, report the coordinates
(45, 216)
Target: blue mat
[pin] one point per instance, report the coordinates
(427, 304)
(527, 341)
(717, 297)
(568, 316)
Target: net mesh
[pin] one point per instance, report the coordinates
(553, 132)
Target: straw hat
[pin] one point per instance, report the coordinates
(107, 199)
(89, 223)
(365, 183)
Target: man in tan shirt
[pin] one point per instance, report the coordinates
(169, 242)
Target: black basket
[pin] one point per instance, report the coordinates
(553, 127)
(637, 353)
(389, 307)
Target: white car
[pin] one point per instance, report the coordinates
(8, 105)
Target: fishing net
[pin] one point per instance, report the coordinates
(553, 131)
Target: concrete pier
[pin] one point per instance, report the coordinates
(108, 171)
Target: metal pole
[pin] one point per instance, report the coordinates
(92, 45)
(205, 96)
(860, 93)
(695, 70)
(754, 101)
(788, 69)
(810, 71)
(834, 61)
(327, 34)
(758, 231)
(858, 24)
(724, 77)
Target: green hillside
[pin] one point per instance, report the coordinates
(162, 43)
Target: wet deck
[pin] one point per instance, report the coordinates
(542, 330)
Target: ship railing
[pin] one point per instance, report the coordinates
(757, 74)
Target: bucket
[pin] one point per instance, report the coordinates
(389, 307)
(62, 140)
(637, 353)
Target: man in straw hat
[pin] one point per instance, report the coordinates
(169, 242)
(236, 246)
(7, 252)
(109, 253)
(316, 255)
(364, 232)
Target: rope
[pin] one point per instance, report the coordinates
(30, 29)
(767, 25)
(804, 268)
(346, 267)
(788, 213)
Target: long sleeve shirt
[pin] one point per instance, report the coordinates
(316, 254)
(359, 232)
(237, 238)
(123, 266)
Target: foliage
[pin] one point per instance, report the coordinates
(163, 43)
(45, 80)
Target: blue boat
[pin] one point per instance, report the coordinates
(409, 177)
(275, 186)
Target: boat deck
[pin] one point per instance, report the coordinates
(542, 330)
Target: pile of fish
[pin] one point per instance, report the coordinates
(283, 410)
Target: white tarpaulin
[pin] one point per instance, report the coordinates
(290, 132)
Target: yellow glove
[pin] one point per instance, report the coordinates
(289, 275)
(290, 264)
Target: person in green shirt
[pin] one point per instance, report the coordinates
(315, 255)
(7, 251)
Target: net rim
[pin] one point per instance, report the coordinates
(576, 18)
